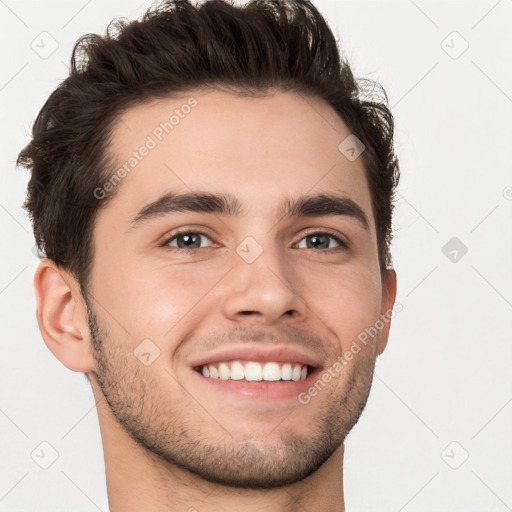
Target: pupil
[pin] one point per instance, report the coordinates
(189, 240)
(316, 241)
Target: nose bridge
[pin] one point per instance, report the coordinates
(262, 264)
(261, 281)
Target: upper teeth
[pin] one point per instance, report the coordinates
(252, 370)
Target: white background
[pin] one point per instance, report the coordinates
(445, 376)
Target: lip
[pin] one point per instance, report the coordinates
(257, 391)
(279, 354)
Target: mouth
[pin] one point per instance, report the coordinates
(255, 371)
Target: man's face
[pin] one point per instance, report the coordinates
(264, 286)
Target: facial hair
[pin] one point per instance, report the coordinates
(166, 427)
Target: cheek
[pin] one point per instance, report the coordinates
(346, 300)
(162, 300)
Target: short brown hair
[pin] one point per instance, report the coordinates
(176, 46)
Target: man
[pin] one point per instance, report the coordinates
(214, 200)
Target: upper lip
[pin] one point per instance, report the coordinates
(279, 354)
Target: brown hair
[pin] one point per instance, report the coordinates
(176, 46)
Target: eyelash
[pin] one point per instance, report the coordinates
(342, 244)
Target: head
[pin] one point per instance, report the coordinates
(251, 108)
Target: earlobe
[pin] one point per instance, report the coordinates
(62, 317)
(389, 285)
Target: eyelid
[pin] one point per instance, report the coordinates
(170, 235)
(164, 241)
(342, 240)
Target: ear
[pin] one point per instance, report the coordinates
(62, 316)
(388, 301)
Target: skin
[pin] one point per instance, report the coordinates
(170, 441)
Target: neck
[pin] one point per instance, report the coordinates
(140, 480)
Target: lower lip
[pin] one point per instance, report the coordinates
(261, 390)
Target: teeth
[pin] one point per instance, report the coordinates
(223, 371)
(296, 373)
(237, 371)
(286, 371)
(271, 371)
(254, 371)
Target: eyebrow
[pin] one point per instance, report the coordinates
(227, 204)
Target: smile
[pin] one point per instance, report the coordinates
(254, 371)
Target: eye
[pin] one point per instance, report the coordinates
(321, 240)
(186, 240)
(192, 240)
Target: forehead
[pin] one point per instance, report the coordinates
(257, 148)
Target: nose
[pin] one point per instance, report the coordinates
(264, 291)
